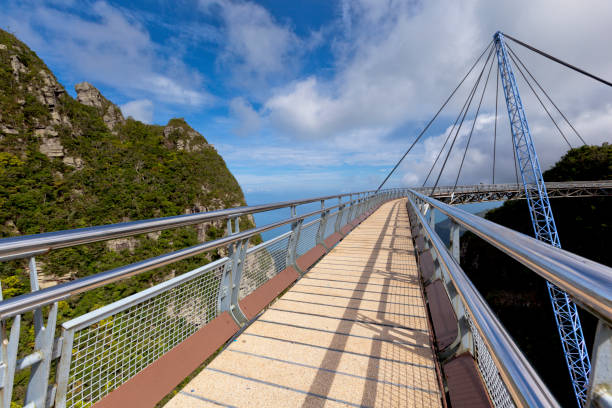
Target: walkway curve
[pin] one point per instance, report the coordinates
(353, 331)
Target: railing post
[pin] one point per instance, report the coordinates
(339, 216)
(432, 218)
(600, 381)
(229, 289)
(454, 240)
(296, 229)
(320, 238)
(360, 205)
(8, 346)
(464, 341)
(63, 369)
(38, 387)
(351, 209)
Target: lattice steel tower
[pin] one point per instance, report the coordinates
(565, 311)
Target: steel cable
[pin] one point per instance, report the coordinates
(467, 146)
(460, 124)
(557, 60)
(450, 133)
(546, 94)
(540, 100)
(434, 118)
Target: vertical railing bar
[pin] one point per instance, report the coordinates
(9, 358)
(63, 369)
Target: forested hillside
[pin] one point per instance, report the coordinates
(69, 163)
(519, 296)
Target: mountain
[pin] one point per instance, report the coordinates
(517, 295)
(70, 163)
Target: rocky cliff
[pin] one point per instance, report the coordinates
(69, 163)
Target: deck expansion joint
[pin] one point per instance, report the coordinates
(340, 351)
(354, 308)
(331, 371)
(404, 343)
(285, 387)
(201, 398)
(393, 326)
(357, 298)
(357, 290)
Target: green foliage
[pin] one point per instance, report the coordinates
(517, 295)
(134, 172)
(583, 163)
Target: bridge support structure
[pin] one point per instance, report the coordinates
(565, 311)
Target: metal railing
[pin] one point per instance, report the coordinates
(587, 282)
(509, 378)
(500, 192)
(99, 351)
(102, 349)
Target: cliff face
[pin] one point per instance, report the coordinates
(67, 163)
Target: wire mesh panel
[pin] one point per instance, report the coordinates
(497, 390)
(262, 263)
(115, 346)
(308, 237)
(331, 222)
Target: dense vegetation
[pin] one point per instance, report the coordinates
(97, 176)
(519, 296)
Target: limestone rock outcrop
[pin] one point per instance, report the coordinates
(180, 136)
(89, 95)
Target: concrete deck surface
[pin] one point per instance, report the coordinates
(353, 331)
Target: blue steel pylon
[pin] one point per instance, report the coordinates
(566, 313)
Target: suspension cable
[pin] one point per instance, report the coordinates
(557, 60)
(434, 118)
(450, 133)
(460, 124)
(545, 93)
(539, 100)
(467, 146)
(495, 128)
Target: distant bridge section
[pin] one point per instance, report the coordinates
(501, 192)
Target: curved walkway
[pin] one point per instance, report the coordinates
(353, 331)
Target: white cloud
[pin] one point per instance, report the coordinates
(141, 110)
(397, 61)
(255, 45)
(392, 65)
(105, 45)
(248, 119)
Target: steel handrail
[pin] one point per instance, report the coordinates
(30, 245)
(521, 380)
(33, 300)
(587, 282)
(447, 190)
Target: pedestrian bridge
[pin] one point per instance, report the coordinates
(359, 304)
(353, 331)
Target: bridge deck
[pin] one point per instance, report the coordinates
(353, 331)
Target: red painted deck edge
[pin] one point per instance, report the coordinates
(442, 314)
(346, 229)
(332, 240)
(266, 293)
(309, 258)
(465, 386)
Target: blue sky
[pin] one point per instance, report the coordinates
(320, 96)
